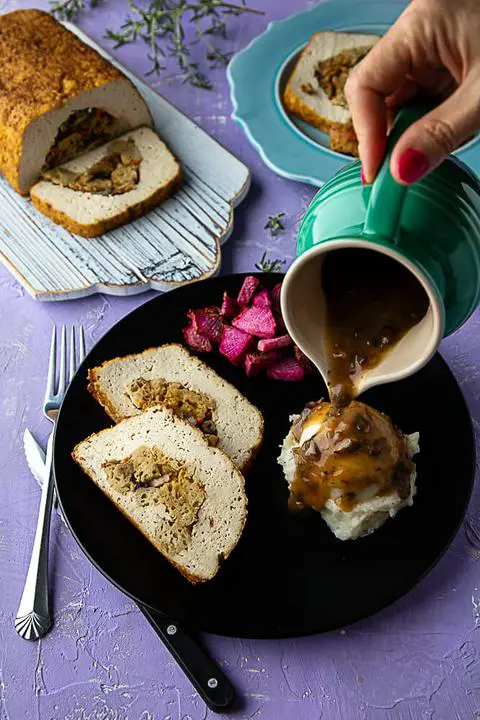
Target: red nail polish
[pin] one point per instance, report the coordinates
(412, 165)
(362, 176)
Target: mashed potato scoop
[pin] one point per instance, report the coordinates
(351, 464)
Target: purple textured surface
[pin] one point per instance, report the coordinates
(417, 660)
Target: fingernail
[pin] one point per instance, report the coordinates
(412, 165)
(362, 175)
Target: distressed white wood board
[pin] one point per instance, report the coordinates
(176, 244)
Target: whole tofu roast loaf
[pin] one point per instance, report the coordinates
(59, 99)
(185, 496)
(171, 377)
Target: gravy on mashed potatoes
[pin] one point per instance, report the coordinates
(343, 458)
(343, 452)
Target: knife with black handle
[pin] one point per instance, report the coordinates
(211, 684)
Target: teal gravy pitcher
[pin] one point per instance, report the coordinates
(432, 227)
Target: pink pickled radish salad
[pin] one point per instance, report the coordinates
(248, 330)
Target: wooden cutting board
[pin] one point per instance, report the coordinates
(176, 244)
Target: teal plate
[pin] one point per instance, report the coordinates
(287, 145)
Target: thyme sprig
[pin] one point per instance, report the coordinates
(162, 26)
(70, 9)
(275, 223)
(268, 265)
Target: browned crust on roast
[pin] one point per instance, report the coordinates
(194, 579)
(343, 139)
(102, 226)
(342, 135)
(94, 389)
(297, 107)
(42, 66)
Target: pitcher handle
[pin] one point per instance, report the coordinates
(386, 195)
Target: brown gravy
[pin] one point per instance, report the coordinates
(372, 301)
(349, 450)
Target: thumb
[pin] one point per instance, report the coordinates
(428, 141)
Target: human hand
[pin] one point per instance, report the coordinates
(432, 49)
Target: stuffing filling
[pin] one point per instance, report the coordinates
(187, 404)
(152, 478)
(333, 72)
(82, 131)
(116, 173)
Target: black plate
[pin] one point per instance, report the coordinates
(288, 576)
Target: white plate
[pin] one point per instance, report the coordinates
(175, 244)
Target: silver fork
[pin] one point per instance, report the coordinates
(33, 618)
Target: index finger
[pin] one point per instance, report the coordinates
(378, 75)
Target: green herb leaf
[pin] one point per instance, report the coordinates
(165, 21)
(269, 266)
(275, 223)
(70, 9)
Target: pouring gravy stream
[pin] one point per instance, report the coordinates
(372, 301)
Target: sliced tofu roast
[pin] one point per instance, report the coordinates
(169, 375)
(314, 92)
(102, 204)
(186, 497)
